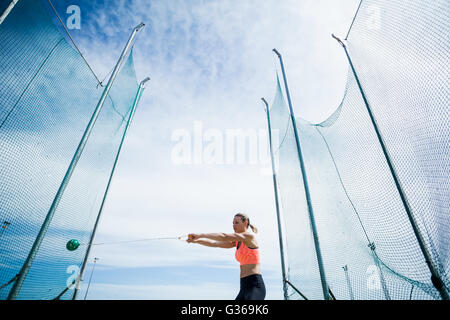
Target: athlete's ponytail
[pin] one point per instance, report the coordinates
(244, 218)
(254, 229)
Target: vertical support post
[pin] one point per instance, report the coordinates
(90, 278)
(349, 285)
(380, 272)
(411, 292)
(94, 231)
(325, 288)
(8, 10)
(13, 294)
(435, 277)
(277, 206)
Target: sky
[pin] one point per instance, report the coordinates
(210, 62)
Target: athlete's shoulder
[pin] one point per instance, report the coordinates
(249, 236)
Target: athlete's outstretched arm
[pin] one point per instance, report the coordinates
(214, 244)
(229, 237)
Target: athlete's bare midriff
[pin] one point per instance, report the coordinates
(249, 269)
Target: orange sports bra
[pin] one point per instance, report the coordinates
(245, 255)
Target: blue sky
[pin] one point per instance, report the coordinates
(210, 62)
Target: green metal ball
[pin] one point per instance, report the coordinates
(72, 245)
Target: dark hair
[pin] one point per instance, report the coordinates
(245, 218)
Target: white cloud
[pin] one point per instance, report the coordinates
(212, 63)
(208, 61)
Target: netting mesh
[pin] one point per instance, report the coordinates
(304, 265)
(400, 53)
(3, 5)
(47, 97)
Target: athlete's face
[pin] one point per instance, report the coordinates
(238, 225)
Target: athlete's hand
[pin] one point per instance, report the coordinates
(192, 237)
